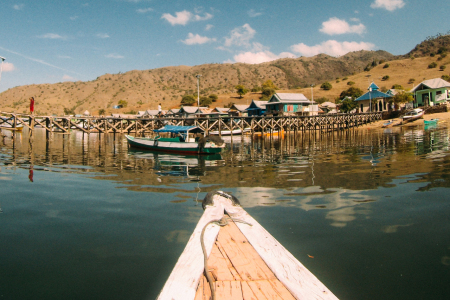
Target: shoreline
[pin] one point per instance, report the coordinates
(443, 117)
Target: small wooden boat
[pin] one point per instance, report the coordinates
(415, 114)
(231, 256)
(230, 132)
(182, 140)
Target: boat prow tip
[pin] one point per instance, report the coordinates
(211, 196)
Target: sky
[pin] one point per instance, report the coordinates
(68, 40)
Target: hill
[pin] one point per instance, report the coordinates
(145, 89)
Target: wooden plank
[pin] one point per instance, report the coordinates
(230, 266)
(203, 290)
(183, 281)
(242, 255)
(270, 289)
(228, 290)
(296, 278)
(218, 265)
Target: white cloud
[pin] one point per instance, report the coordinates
(114, 55)
(181, 18)
(331, 47)
(52, 36)
(184, 17)
(73, 18)
(197, 39)
(208, 27)
(389, 5)
(102, 35)
(240, 36)
(337, 26)
(355, 20)
(18, 6)
(144, 10)
(252, 13)
(68, 78)
(259, 57)
(8, 67)
(207, 16)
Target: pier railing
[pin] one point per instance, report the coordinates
(142, 126)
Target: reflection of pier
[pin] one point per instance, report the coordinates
(140, 126)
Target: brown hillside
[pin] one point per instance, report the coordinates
(145, 89)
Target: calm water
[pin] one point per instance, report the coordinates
(87, 218)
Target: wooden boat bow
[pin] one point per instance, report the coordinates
(186, 277)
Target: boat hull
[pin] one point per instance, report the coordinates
(172, 147)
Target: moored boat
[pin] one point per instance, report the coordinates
(415, 114)
(231, 256)
(182, 139)
(231, 132)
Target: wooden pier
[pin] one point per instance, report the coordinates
(143, 126)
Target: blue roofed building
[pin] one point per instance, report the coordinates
(256, 108)
(378, 99)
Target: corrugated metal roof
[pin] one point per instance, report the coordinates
(435, 83)
(289, 97)
(240, 107)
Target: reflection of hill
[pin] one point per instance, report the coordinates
(354, 160)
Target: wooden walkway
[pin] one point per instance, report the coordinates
(141, 127)
(238, 271)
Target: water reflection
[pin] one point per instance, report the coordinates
(353, 159)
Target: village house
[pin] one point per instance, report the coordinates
(256, 108)
(378, 99)
(238, 110)
(291, 104)
(431, 92)
(150, 114)
(189, 111)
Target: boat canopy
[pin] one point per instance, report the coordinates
(179, 129)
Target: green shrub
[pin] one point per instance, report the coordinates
(350, 83)
(411, 80)
(397, 87)
(326, 86)
(446, 77)
(345, 78)
(385, 77)
(442, 68)
(432, 65)
(386, 66)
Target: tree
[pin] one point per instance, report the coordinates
(432, 65)
(352, 92)
(241, 90)
(213, 97)
(348, 104)
(268, 89)
(205, 101)
(445, 77)
(397, 87)
(326, 86)
(122, 103)
(402, 97)
(188, 100)
(101, 111)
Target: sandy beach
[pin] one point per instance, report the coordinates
(443, 117)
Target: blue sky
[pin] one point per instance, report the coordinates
(60, 40)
